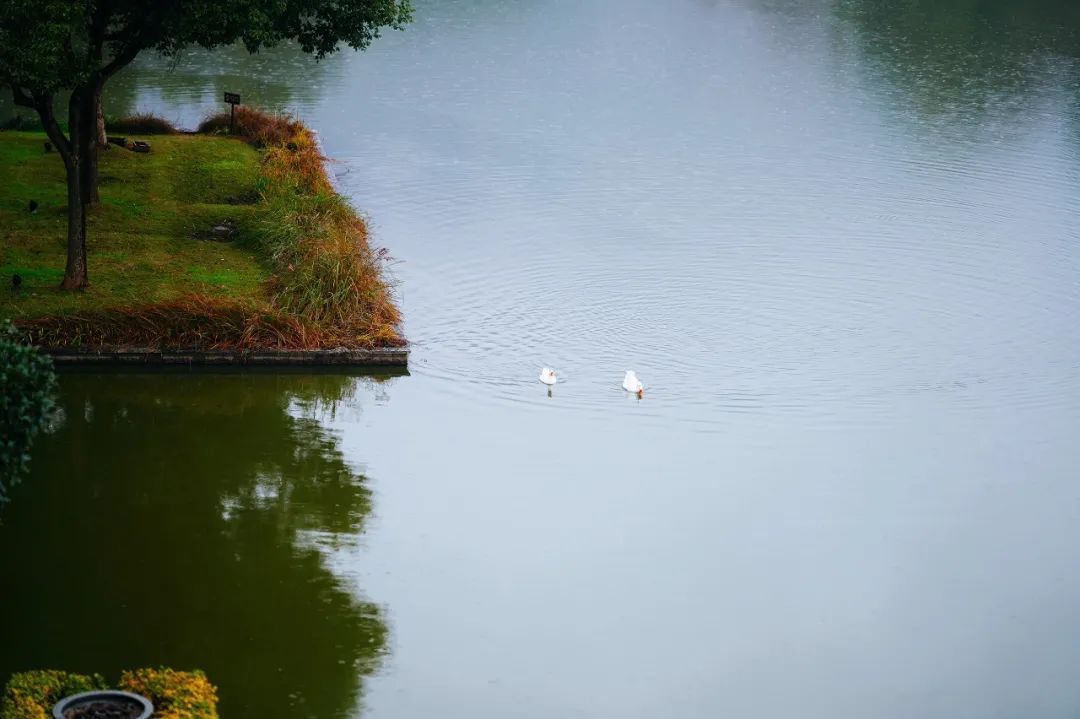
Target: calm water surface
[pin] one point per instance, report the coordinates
(837, 240)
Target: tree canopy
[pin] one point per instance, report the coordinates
(49, 47)
(27, 383)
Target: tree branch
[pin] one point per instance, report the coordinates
(137, 39)
(52, 129)
(121, 59)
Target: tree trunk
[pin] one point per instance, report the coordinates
(99, 113)
(70, 150)
(75, 274)
(80, 130)
(86, 139)
(82, 125)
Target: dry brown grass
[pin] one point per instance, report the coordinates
(261, 129)
(193, 322)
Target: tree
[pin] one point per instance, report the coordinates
(50, 47)
(27, 384)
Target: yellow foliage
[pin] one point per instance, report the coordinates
(175, 694)
(31, 695)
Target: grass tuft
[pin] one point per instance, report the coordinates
(195, 321)
(261, 129)
(141, 123)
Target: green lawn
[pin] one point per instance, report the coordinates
(143, 240)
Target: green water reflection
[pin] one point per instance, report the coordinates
(279, 79)
(185, 521)
(950, 58)
(960, 58)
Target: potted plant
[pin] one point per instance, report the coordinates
(103, 705)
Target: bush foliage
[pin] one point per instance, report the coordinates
(27, 383)
(31, 695)
(174, 694)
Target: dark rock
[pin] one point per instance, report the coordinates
(224, 231)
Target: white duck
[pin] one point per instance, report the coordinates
(547, 376)
(631, 383)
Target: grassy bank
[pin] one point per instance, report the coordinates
(296, 272)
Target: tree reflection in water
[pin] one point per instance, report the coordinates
(958, 59)
(176, 519)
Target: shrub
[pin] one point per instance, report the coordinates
(27, 383)
(175, 695)
(31, 695)
(141, 123)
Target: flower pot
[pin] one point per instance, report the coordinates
(103, 705)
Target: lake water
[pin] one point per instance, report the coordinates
(838, 240)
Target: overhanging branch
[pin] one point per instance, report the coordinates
(121, 60)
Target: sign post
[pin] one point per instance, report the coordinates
(233, 99)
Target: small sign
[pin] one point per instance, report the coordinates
(233, 99)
